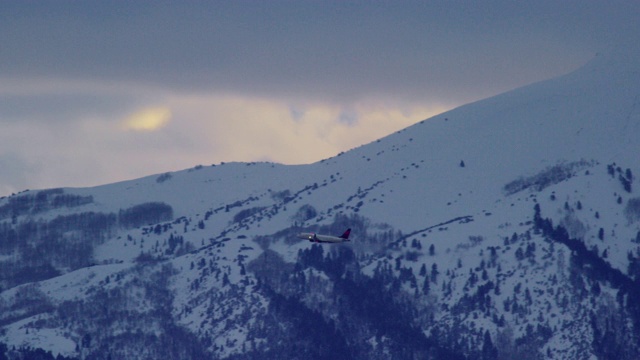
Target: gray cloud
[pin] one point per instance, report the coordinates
(14, 170)
(60, 107)
(333, 50)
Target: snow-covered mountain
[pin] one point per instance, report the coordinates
(505, 228)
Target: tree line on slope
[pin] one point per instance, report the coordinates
(608, 341)
(42, 249)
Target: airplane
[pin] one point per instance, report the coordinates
(317, 238)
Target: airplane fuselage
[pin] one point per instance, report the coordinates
(318, 238)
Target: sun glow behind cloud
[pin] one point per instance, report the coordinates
(148, 119)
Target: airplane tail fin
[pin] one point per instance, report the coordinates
(346, 234)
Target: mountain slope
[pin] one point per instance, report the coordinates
(503, 228)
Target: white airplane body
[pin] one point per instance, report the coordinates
(317, 238)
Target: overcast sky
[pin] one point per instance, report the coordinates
(93, 92)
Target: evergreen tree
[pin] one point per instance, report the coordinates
(423, 270)
(425, 286)
(489, 351)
